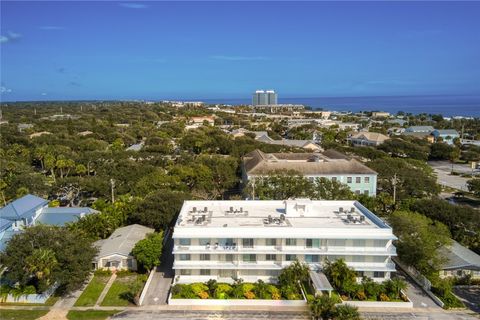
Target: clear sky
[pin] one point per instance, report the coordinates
(156, 50)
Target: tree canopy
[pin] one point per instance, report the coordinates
(43, 255)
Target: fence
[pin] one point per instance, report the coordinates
(32, 298)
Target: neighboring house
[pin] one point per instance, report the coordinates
(400, 122)
(30, 210)
(330, 164)
(115, 252)
(447, 135)
(423, 129)
(24, 126)
(252, 240)
(395, 131)
(197, 122)
(367, 139)
(419, 135)
(39, 134)
(85, 133)
(309, 145)
(380, 114)
(460, 262)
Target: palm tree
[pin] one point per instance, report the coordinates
(346, 312)
(41, 263)
(322, 307)
(398, 285)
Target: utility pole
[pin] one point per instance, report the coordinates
(61, 110)
(112, 184)
(35, 111)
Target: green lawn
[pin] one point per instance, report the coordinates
(118, 293)
(91, 293)
(6, 314)
(91, 314)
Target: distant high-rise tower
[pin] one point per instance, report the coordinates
(263, 98)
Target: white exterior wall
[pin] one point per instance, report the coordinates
(228, 262)
(359, 188)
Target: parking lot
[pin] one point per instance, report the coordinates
(443, 170)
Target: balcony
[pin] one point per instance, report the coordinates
(387, 251)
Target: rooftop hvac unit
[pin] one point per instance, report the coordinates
(352, 209)
(340, 209)
(349, 217)
(231, 209)
(205, 209)
(194, 209)
(282, 217)
(362, 218)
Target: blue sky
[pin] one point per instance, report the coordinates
(155, 50)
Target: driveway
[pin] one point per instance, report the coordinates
(418, 297)
(470, 296)
(158, 290)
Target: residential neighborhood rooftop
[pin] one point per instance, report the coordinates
(122, 240)
(283, 218)
(328, 162)
(459, 257)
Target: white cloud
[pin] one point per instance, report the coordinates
(239, 58)
(43, 93)
(50, 28)
(11, 36)
(133, 5)
(4, 90)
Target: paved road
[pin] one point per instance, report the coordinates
(470, 296)
(208, 315)
(253, 315)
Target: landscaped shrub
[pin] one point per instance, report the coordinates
(274, 292)
(238, 290)
(384, 297)
(103, 272)
(442, 288)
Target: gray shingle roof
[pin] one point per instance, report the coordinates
(260, 163)
(460, 257)
(122, 240)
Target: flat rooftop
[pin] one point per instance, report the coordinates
(277, 217)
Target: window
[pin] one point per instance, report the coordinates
(291, 242)
(359, 243)
(367, 179)
(357, 192)
(204, 257)
(360, 274)
(336, 243)
(271, 242)
(313, 243)
(247, 243)
(290, 257)
(379, 274)
(249, 258)
(271, 257)
(365, 192)
(379, 243)
(229, 257)
(349, 179)
(184, 257)
(204, 242)
(358, 180)
(309, 243)
(184, 242)
(185, 272)
(204, 272)
(309, 258)
(358, 258)
(334, 179)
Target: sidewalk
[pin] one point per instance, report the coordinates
(105, 289)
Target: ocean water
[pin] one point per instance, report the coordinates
(447, 105)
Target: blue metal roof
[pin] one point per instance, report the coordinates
(7, 235)
(60, 216)
(24, 207)
(5, 224)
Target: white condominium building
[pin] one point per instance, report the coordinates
(252, 240)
